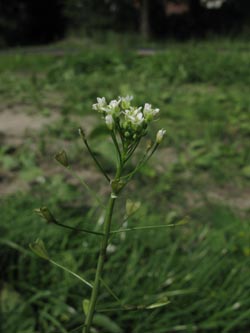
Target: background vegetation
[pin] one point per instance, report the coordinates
(202, 172)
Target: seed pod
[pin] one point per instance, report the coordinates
(39, 249)
(45, 213)
(132, 206)
(62, 158)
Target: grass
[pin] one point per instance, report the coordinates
(201, 171)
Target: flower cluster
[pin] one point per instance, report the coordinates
(120, 115)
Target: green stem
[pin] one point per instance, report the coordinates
(104, 244)
(113, 136)
(100, 264)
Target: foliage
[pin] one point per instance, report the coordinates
(204, 273)
(201, 267)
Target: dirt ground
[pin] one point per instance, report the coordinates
(16, 126)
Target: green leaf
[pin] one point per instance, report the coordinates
(9, 299)
(106, 150)
(100, 130)
(197, 144)
(246, 171)
(106, 323)
(85, 306)
(9, 162)
(158, 304)
(30, 173)
(39, 249)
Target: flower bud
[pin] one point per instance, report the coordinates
(160, 135)
(62, 158)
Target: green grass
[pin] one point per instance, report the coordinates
(202, 267)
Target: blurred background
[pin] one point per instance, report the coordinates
(27, 22)
(192, 60)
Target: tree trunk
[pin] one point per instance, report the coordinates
(144, 19)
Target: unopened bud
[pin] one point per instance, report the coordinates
(45, 213)
(160, 135)
(62, 158)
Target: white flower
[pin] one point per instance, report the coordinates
(138, 119)
(114, 103)
(147, 107)
(109, 121)
(125, 101)
(149, 112)
(100, 105)
(160, 135)
(133, 118)
(113, 107)
(130, 121)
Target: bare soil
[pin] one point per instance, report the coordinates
(20, 122)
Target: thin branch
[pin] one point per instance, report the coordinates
(132, 151)
(87, 187)
(117, 309)
(77, 328)
(117, 147)
(149, 227)
(111, 292)
(142, 161)
(72, 273)
(78, 229)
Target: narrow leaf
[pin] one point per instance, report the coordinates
(158, 304)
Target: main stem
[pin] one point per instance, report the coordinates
(101, 259)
